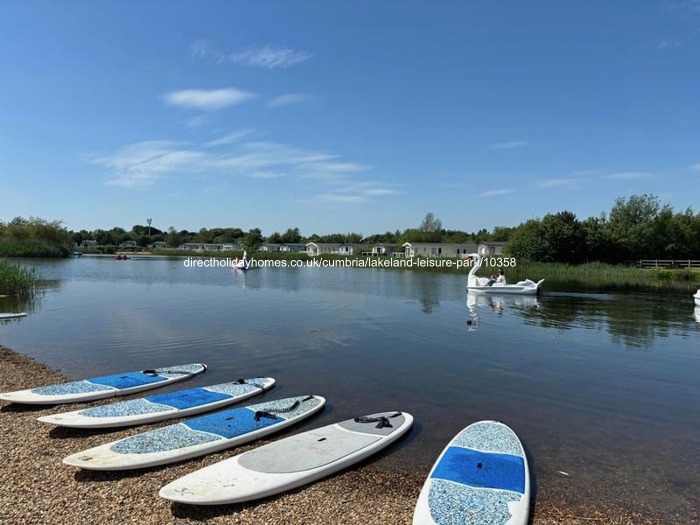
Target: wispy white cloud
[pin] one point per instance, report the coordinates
(196, 121)
(630, 175)
(493, 193)
(287, 100)
(268, 56)
(340, 198)
(695, 167)
(689, 6)
(509, 145)
(557, 183)
(358, 192)
(142, 164)
(228, 139)
(668, 44)
(207, 100)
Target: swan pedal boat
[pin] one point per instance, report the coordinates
(697, 298)
(479, 284)
(241, 264)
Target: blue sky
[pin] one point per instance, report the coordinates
(344, 116)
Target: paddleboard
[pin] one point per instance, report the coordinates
(159, 407)
(198, 436)
(480, 478)
(105, 386)
(12, 315)
(290, 462)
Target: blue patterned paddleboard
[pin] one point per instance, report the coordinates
(198, 436)
(481, 478)
(105, 386)
(150, 409)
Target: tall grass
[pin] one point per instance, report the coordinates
(600, 274)
(16, 280)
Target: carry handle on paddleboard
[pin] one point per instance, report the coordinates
(382, 421)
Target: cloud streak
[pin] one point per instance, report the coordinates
(510, 145)
(493, 193)
(630, 175)
(267, 57)
(143, 164)
(557, 183)
(207, 100)
(287, 100)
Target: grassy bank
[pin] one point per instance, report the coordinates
(15, 280)
(601, 275)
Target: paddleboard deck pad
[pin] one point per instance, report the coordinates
(481, 478)
(290, 462)
(159, 407)
(105, 386)
(198, 436)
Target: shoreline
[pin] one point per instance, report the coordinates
(38, 489)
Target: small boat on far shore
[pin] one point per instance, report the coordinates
(122, 257)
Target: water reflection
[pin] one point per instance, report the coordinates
(497, 304)
(633, 321)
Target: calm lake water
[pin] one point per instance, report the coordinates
(603, 387)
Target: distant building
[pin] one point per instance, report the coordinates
(330, 248)
(209, 247)
(88, 244)
(320, 248)
(269, 247)
(293, 247)
(128, 244)
(437, 249)
(380, 249)
(490, 248)
(157, 244)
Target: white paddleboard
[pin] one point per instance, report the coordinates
(160, 407)
(481, 478)
(104, 386)
(289, 462)
(198, 436)
(11, 315)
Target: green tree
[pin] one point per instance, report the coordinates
(274, 238)
(173, 239)
(430, 223)
(633, 227)
(253, 239)
(291, 236)
(528, 241)
(564, 236)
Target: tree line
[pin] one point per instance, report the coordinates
(638, 227)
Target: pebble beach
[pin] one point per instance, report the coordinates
(38, 489)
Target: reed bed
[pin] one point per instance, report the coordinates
(17, 280)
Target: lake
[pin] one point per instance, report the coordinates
(602, 388)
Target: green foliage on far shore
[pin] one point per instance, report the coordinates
(31, 249)
(16, 280)
(34, 237)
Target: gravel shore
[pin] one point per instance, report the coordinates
(37, 489)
